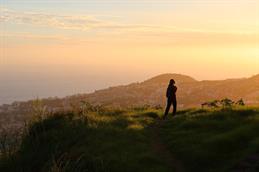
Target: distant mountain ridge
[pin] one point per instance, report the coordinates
(164, 78)
(191, 93)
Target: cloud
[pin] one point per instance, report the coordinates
(161, 34)
(90, 22)
(74, 22)
(26, 35)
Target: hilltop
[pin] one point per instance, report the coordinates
(191, 93)
(164, 78)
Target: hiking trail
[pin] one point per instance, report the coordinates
(161, 149)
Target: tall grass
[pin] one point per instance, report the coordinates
(103, 142)
(121, 140)
(215, 140)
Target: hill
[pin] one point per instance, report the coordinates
(191, 93)
(196, 140)
(164, 78)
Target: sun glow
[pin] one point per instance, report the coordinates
(173, 37)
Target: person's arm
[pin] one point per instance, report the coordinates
(175, 89)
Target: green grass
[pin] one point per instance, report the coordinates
(203, 140)
(213, 141)
(66, 142)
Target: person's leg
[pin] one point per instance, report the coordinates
(175, 107)
(169, 103)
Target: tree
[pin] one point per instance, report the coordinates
(227, 103)
(240, 102)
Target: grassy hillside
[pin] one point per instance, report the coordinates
(195, 140)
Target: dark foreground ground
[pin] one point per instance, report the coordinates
(116, 141)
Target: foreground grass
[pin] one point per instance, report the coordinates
(122, 141)
(66, 142)
(214, 140)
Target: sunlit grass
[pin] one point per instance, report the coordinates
(202, 139)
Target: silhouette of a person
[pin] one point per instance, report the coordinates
(171, 98)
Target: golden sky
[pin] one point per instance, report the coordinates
(213, 39)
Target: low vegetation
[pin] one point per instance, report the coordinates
(222, 140)
(131, 140)
(224, 103)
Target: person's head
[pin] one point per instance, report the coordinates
(172, 82)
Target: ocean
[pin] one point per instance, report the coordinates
(26, 83)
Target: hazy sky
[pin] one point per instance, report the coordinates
(109, 42)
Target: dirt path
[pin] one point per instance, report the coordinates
(162, 151)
